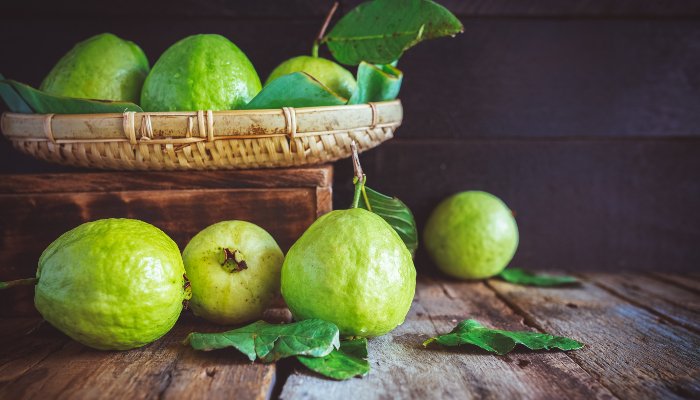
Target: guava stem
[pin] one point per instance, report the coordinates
(360, 177)
(18, 282)
(322, 32)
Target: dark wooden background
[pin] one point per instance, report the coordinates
(582, 115)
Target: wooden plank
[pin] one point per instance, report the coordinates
(506, 78)
(403, 369)
(318, 8)
(582, 205)
(316, 176)
(165, 369)
(685, 280)
(31, 222)
(25, 342)
(667, 300)
(628, 348)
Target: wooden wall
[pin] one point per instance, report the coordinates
(584, 116)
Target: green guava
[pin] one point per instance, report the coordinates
(111, 284)
(200, 72)
(352, 269)
(331, 74)
(103, 67)
(234, 271)
(471, 235)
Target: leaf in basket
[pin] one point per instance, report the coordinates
(12, 99)
(44, 103)
(376, 83)
(380, 31)
(298, 89)
(396, 213)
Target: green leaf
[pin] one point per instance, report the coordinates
(270, 342)
(396, 213)
(44, 103)
(12, 99)
(380, 31)
(297, 89)
(519, 276)
(501, 342)
(376, 83)
(349, 361)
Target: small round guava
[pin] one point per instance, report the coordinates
(103, 67)
(331, 74)
(471, 235)
(111, 284)
(234, 271)
(352, 269)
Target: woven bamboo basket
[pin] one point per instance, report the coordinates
(203, 139)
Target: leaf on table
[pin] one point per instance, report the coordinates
(270, 342)
(520, 276)
(44, 103)
(499, 341)
(396, 213)
(380, 31)
(297, 89)
(12, 99)
(376, 83)
(349, 361)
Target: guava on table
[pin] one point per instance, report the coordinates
(111, 284)
(350, 268)
(234, 271)
(200, 72)
(471, 235)
(103, 67)
(329, 73)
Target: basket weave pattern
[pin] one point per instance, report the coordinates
(204, 139)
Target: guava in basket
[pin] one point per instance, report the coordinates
(329, 73)
(200, 72)
(103, 67)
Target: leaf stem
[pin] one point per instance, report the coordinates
(18, 282)
(322, 32)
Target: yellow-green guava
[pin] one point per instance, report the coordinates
(352, 269)
(471, 235)
(200, 72)
(331, 74)
(234, 271)
(103, 67)
(111, 284)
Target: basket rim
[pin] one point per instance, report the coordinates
(216, 112)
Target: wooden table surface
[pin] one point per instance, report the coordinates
(642, 336)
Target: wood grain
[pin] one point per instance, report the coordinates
(163, 369)
(666, 300)
(318, 8)
(116, 181)
(403, 369)
(633, 352)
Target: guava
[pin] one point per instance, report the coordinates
(351, 268)
(234, 271)
(103, 67)
(329, 73)
(471, 235)
(111, 284)
(200, 72)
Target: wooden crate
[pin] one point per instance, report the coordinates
(36, 209)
